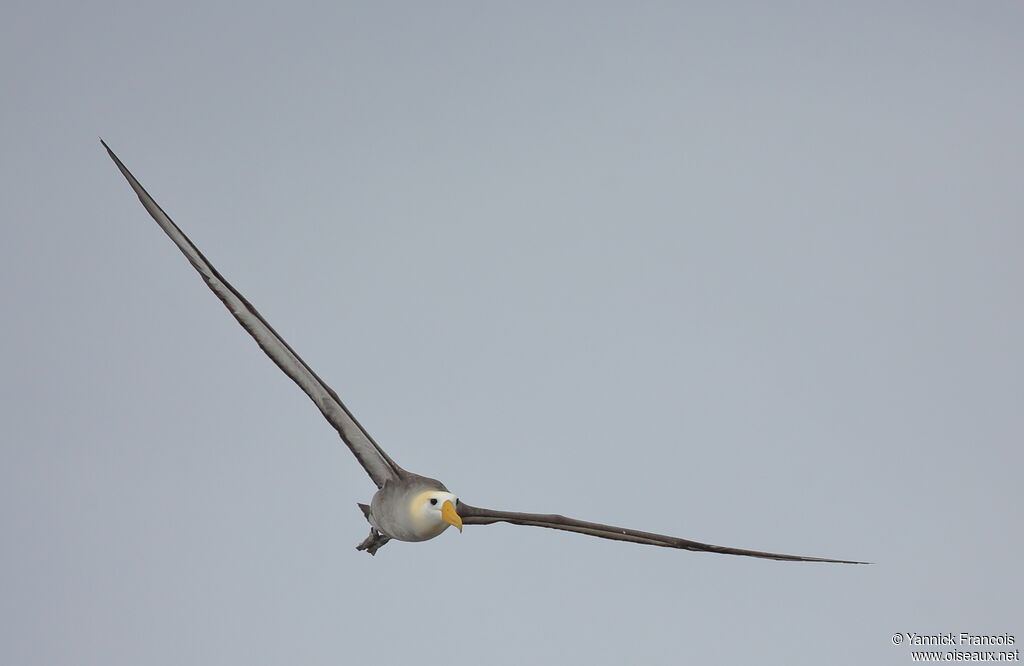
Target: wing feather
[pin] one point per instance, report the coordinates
(374, 460)
(472, 515)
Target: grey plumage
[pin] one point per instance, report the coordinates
(406, 506)
(472, 515)
(373, 459)
(388, 503)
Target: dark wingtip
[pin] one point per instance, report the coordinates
(120, 165)
(845, 562)
(109, 151)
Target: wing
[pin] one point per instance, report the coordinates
(373, 459)
(472, 515)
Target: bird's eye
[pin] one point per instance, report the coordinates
(433, 500)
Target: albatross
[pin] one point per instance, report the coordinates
(406, 506)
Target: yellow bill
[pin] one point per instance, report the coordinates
(449, 514)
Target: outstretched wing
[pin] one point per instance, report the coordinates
(373, 459)
(472, 515)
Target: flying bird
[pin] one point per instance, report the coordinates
(406, 506)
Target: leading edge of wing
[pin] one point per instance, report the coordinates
(472, 515)
(374, 460)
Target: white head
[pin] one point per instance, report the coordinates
(433, 511)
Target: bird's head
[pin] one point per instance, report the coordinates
(436, 509)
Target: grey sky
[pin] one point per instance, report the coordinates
(749, 275)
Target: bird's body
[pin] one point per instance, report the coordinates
(410, 509)
(406, 506)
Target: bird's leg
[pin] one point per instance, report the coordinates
(373, 543)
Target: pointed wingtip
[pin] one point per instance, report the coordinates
(847, 562)
(120, 165)
(830, 560)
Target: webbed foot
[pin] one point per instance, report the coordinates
(374, 542)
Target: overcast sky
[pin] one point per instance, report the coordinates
(742, 273)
